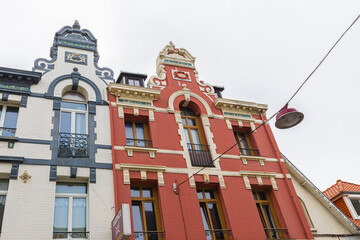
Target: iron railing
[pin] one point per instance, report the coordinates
(138, 142)
(218, 234)
(249, 152)
(149, 235)
(200, 155)
(7, 132)
(275, 233)
(73, 145)
(59, 235)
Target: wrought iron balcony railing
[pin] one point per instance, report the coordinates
(249, 152)
(200, 155)
(149, 235)
(66, 235)
(275, 233)
(218, 234)
(7, 132)
(73, 145)
(138, 142)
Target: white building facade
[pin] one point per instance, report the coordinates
(55, 144)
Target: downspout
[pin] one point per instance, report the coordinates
(113, 157)
(292, 193)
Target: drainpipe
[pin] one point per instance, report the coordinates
(292, 190)
(113, 157)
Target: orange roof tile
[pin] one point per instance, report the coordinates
(339, 187)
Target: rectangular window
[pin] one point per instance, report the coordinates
(70, 217)
(212, 215)
(353, 203)
(267, 215)
(146, 215)
(137, 134)
(4, 184)
(245, 145)
(8, 120)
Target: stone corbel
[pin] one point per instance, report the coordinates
(206, 178)
(222, 182)
(192, 181)
(121, 112)
(151, 116)
(126, 176)
(228, 124)
(247, 182)
(273, 183)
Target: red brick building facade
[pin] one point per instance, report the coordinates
(164, 133)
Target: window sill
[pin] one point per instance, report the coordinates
(131, 149)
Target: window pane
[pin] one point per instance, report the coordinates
(1, 107)
(150, 217)
(195, 137)
(65, 122)
(140, 134)
(200, 194)
(80, 123)
(356, 204)
(131, 82)
(129, 134)
(146, 192)
(205, 221)
(2, 207)
(70, 188)
(183, 121)
(75, 106)
(191, 122)
(255, 196)
(187, 136)
(209, 195)
(10, 120)
(135, 192)
(4, 184)
(262, 195)
(137, 221)
(61, 216)
(79, 217)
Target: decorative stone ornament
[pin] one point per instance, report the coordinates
(25, 176)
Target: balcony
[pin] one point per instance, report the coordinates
(249, 152)
(73, 145)
(138, 142)
(200, 155)
(218, 234)
(7, 132)
(275, 233)
(150, 235)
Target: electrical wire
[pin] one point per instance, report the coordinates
(296, 92)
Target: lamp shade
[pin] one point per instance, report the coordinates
(288, 117)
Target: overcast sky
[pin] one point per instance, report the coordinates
(260, 51)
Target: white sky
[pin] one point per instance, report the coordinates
(260, 51)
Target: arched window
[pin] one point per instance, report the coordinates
(306, 213)
(73, 126)
(198, 150)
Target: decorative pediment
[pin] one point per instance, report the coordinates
(239, 109)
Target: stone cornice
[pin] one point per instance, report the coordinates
(124, 91)
(236, 106)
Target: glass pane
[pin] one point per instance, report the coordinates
(184, 121)
(10, 121)
(150, 217)
(146, 192)
(131, 82)
(65, 122)
(356, 204)
(70, 188)
(79, 217)
(137, 221)
(214, 216)
(140, 134)
(195, 137)
(135, 192)
(4, 184)
(75, 106)
(137, 83)
(61, 217)
(1, 107)
(205, 221)
(191, 122)
(200, 194)
(262, 195)
(187, 136)
(209, 195)
(80, 123)
(255, 196)
(2, 207)
(270, 221)
(129, 134)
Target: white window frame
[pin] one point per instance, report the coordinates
(3, 114)
(351, 206)
(71, 196)
(73, 115)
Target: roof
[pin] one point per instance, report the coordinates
(334, 210)
(340, 187)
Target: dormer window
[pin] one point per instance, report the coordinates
(353, 203)
(132, 79)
